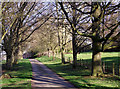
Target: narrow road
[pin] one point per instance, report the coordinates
(44, 77)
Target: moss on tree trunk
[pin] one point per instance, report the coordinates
(18, 55)
(96, 59)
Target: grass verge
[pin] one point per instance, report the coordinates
(21, 75)
(80, 76)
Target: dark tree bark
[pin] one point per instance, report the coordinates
(96, 59)
(10, 59)
(48, 52)
(62, 55)
(74, 51)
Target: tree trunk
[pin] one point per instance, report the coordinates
(9, 60)
(74, 31)
(53, 55)
(48, 52)
(97, 44)
(96, 60)
(74, 51)
(62, 56)
(20, 54)
(17, 55)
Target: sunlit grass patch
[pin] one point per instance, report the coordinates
(80, 76)
(20, 75)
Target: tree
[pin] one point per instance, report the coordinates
(94, 14)
(45, 38)
(26, 17)
(5, 32)
(62, 32)
(73, 23)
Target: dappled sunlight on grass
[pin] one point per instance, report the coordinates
(80, 76)
(16, 82)
(21, 75)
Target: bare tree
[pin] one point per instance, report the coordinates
(21, 25)
(95, 14)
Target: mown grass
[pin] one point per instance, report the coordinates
(80, 76)
(21, 75)
(107, 57)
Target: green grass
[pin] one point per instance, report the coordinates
(80, 76)
(21, 76)
(88, 55)
(107, 57)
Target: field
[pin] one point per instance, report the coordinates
(21, 75)
(80, 76)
